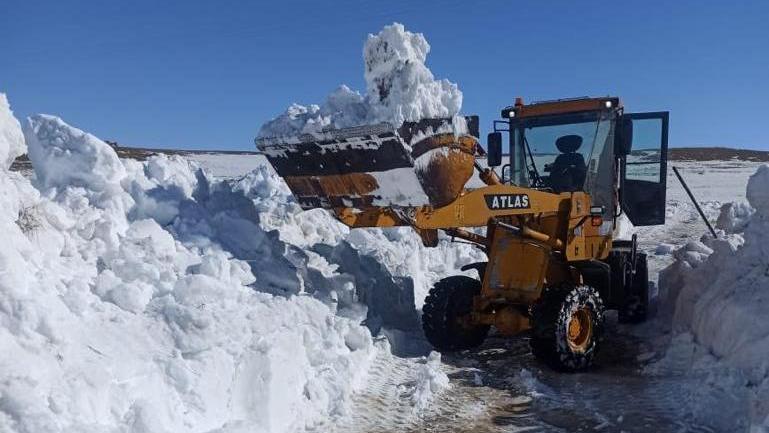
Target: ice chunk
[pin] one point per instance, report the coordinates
(734, 216)
(66, 156)
(664, 248)
(430, 380)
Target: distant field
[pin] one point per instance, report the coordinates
(140, 154)
(675, 154)
(717, 154)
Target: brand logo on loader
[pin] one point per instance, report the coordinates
(507, 201)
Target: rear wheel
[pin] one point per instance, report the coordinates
(567, 325)
(636, 302)
(446, 312)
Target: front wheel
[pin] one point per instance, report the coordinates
(445, 315)
(567, 325)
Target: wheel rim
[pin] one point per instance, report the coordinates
(580, 330)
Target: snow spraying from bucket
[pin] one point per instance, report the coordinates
(399, 87)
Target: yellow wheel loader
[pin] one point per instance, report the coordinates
(545, 216)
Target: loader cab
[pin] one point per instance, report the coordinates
(590, 145)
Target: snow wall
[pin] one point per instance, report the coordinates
(718, 292)
(148, 297)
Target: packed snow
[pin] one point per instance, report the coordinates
(399, 87)
(227, 165)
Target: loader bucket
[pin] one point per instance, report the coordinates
(373, 166)
(443, 164)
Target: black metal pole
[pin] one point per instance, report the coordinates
(691, 196)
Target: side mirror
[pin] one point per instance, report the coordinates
(623, 136)
(494, 151)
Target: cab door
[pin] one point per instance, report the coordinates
(644, 168)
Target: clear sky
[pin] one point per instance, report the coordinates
(206, 74)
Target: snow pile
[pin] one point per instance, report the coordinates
(402, 252)
(128, 301)
(399, 87)
(343, 108)
(430, 380)
(280, 212)
(723, 295)
(734, 216)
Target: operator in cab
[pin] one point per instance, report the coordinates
(568, 171)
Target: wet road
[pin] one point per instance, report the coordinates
(501, 387)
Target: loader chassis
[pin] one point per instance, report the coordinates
(553, 265)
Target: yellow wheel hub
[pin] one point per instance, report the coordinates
(580, 330)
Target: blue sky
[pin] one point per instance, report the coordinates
(206, 74)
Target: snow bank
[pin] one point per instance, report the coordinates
(147, 296)
(399, 87)
(129, 301)
(720, 292)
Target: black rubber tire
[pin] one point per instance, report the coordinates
(448, 300)
(550, 319)
(636, 305)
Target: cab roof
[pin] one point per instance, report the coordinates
(560, 106)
